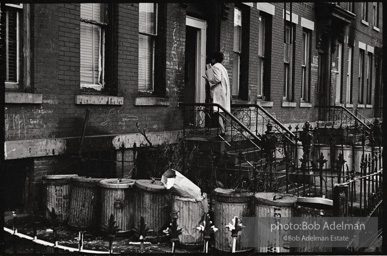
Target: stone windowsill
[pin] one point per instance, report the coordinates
(23, 98)
(376, 29)
(265, 104)
(360, 105)
(349, 105)
(338, 104)
(99, 100)
(288, 104)
(365, 22)
(151, 101)
(368, 106)
(305, 105)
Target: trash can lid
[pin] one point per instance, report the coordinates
(57, 180)
(186, 199)
(275, 199)
(150, 185)
(232, 196)
(86, 181)
(315, 202)
(117, 183)
(59, 176)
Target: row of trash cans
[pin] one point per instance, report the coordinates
(229, 203)
(89, 202)
(356, 152)
(86, 203)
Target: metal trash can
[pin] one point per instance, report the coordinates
(57, 194)
(84, 202)
(269, 206)
(227, 204)
(307, 208)
(190, 212)
(117, 199)
(153, 202)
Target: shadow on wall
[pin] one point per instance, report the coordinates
(18, 179)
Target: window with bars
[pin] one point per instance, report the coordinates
(13, 45)
(146, 46)
(361, 76)
(288, 52)
(375, 14)
(349, 89)
(306, 65)
(93, 24)
(369, 78)
(364, 11)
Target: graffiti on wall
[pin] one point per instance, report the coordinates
(115, 118)
(25, 124)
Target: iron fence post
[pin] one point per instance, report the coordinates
(340, 200)
(269, 143)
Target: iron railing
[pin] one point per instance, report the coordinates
(337, 116)
(256, 118)
(243, 151)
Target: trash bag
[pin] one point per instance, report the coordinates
(180, 185)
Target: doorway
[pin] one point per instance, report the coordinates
(195, 60)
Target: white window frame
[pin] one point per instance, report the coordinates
(99, 85)
(364, 11)
(261, 55)
(153, 37)
(339, 73)
(305, 66)
(349, 89)
(288, 56)
(19, 34)
(361, 75)
(375, 14)
(237, 53)
(369, 80)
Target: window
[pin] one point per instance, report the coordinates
(361, 76)
(13, 45)
(305, 65)
(92, 45)
(264, 50)
(349, 88)
(146, 46)
(375, 14)
(237, 49)
(364, 11)
(339, 73)
(288, 52)
(350, 6)
(369, 78)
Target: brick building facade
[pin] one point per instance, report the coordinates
(46, 101)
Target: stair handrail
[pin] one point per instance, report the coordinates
(227, 113)
(271, 117)
(350, 113)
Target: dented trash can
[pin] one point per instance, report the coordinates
(153, 202)
(84, 202)
(57, 192)
(117, 199)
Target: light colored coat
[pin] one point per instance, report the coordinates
(220, 86)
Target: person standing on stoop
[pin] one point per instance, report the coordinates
(217, 77)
